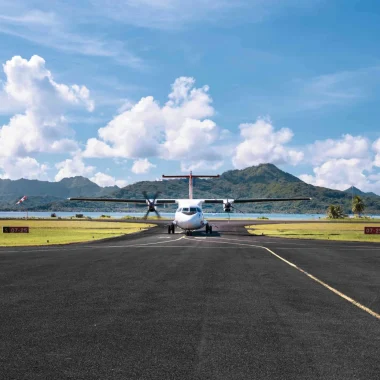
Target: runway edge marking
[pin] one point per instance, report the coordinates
(340, 294)
(337, 292)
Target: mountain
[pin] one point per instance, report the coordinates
(42, 192)
(262, 181)
(355, 191)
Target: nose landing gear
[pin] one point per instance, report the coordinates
(171, 228)
(208, 229)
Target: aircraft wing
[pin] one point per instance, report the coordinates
(123, 200)
(255, 200)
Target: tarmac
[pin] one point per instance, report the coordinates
(158, 306)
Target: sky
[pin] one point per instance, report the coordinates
(126, 91)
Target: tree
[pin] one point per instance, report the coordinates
(358, 205)
(335, 212)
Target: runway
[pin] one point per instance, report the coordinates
(159, 306)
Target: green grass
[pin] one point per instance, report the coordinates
(320, 230)
(48, 232)
(365, 220)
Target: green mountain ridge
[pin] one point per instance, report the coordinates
(262, 181)
(355, 191)
(12, 191)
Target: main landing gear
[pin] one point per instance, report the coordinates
(189, 233)
(171, 228)
(208, 229)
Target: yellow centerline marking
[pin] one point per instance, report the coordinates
(335, 291)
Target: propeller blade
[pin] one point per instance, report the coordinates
(146, 214)
(157, 213)
(235, 208)
(155, 196)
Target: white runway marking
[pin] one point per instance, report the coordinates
(335, 291)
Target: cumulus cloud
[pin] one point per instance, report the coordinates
(72, 167)
(132, 134)
(104, 180)
(30, 83)
(346, 147)
(142, 166)
(345, 162)
(179, 130)
(341, 173)
(42, 127)
(22, 167)
(263, 144)
(376, 148)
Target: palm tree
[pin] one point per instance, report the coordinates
(358, 205)
(335, 212)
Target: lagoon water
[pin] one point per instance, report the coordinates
(22, 214)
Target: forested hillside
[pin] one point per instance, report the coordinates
(260, 181)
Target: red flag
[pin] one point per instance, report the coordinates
(22, 199)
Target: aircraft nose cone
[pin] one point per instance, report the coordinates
(192, 221)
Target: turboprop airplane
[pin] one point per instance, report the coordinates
(189, 215)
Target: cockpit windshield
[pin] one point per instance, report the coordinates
(190, 210)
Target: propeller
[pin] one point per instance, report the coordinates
(151, 205)
(228, 206)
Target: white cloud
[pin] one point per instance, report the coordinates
(42, 128)
(347, 147)
(22, 167)
(31, 84)
(343, 173)
(200, 165)
(263, 144)
(104, 180)
(180, 130)
(376, 148)
(73, 167)
(343, 163)
(142, 166)
(97, 148)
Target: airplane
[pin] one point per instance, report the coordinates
(189, 215)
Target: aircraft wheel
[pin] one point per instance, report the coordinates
(207, 228)
(169, 229)
(173, 228)
(210, 230)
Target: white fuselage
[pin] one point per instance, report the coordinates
(189, 215)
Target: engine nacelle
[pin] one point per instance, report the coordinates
(227, 207)
(151, 208)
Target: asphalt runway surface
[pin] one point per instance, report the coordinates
(159, 306)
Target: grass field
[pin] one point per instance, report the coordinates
(326, 231)
(47, 232)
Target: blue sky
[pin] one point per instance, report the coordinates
(125, 92)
